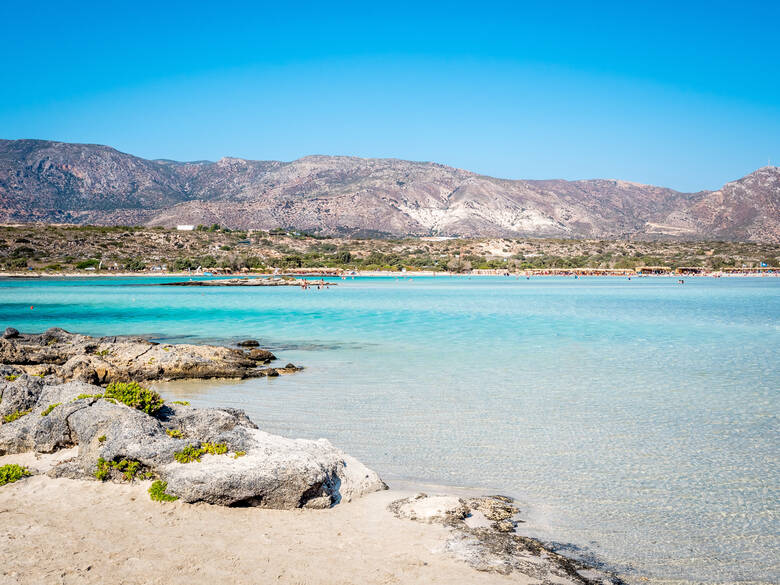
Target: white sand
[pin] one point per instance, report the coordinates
(69, 531)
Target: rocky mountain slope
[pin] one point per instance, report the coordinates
(76, 183)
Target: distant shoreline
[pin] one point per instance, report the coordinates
(380, 273)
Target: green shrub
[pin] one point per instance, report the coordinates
(103, 469)
(15, 415)
(13, 472)
(136, 396)
(12, 377)
(128, 467)
(50, 408)
(102, 439)
(214, 448)
(157, 492)
(93, 262)
(182, 402)
(189, 454)
(175, 433)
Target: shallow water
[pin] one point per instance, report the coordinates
(637, 420)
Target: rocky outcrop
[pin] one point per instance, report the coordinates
(101, 360)
(244, 281)
(230, 461)
(483, 534)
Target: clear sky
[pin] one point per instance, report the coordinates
(681, 94)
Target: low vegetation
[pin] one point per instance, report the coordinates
(54, 249)
(136, 396)
(15, 415)
(85, 396)
(50, 408)
(129, 468)
(175, 433)
(13, 472)
(158, 494)
(191, 453)
(12, 377)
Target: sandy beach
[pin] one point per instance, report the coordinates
(76, 531)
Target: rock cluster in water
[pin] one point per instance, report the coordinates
(214, 455)
(483, 535)
(101, 360)
(243, 281)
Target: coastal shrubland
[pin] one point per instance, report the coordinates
(81, 248)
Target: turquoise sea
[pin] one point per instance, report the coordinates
(635, 421)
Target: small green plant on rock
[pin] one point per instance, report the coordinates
(13, 472)
(182, 402)
(103, 469)
(103, 353)
(102, 439)
(15, 415)
(50, 408)
(136, 396)
(214, 448)
(128, 467)
(158, 494)
(238, 454)
(12, 377)
(83, 396)
(189, 454)
(175, 433)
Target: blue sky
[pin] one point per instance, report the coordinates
(680, 94)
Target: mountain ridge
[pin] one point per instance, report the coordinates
(47, 181)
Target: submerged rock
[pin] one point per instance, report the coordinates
(261, 355)
(101, 360)
(483, 536)
(229, 461)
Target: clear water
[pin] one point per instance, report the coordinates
(637, 420)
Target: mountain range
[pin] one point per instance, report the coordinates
(56, 182)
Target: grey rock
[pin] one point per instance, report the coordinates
(261, 355)
(101, 360)
(276, 472)
(259, 469)
(10, 333)
(248, 343)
